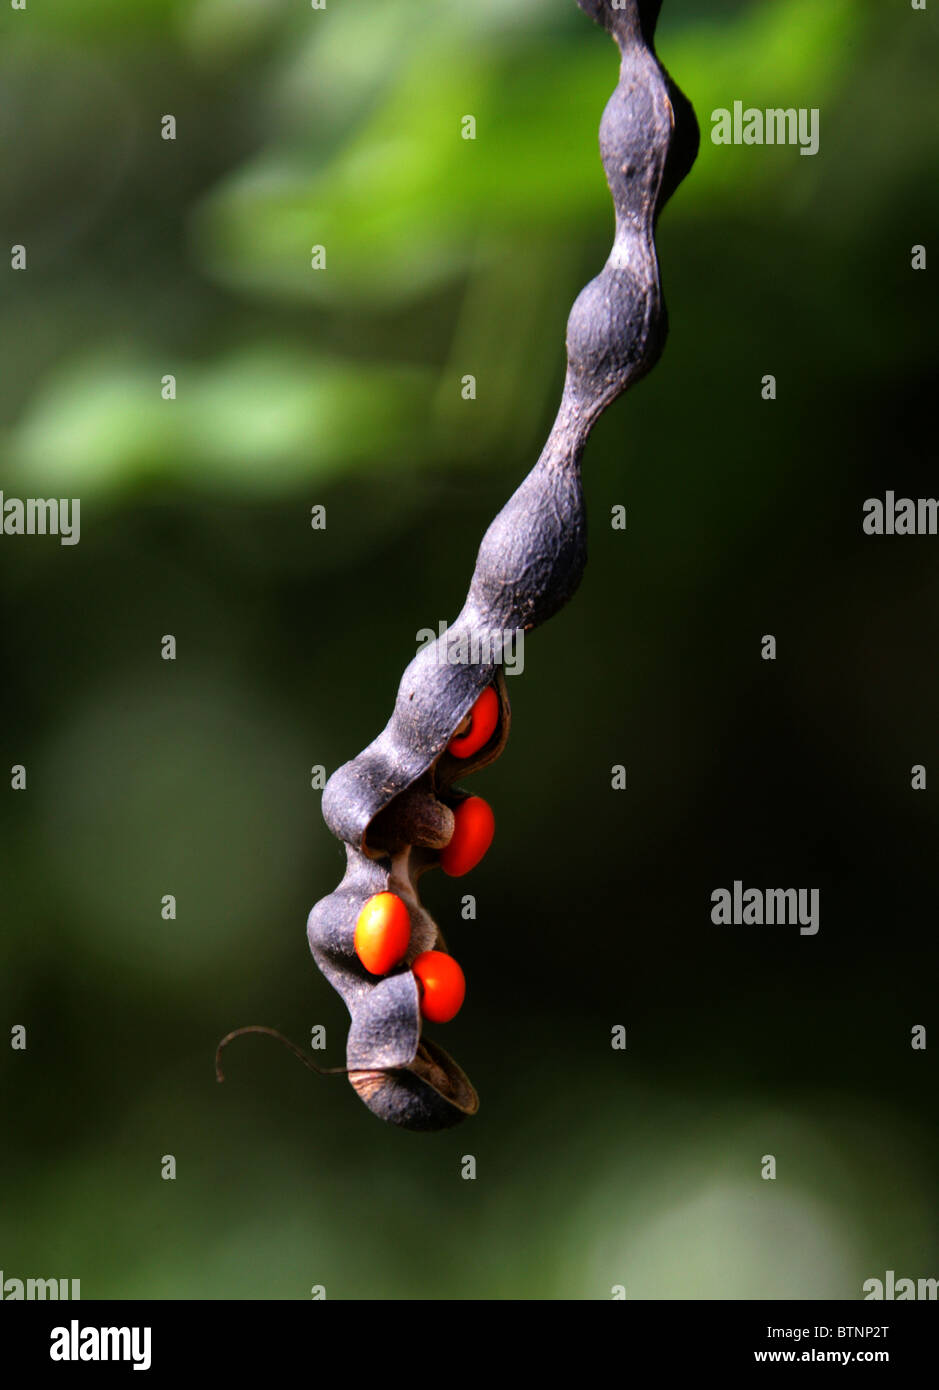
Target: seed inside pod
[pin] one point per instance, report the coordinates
(442, 985)
(474, 827)
(382, 933)
(484, 717)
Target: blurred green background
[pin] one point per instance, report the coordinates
(342, 388)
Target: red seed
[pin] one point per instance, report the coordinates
(474, 827)
(442, 985)
(484, 717)
(382, 933)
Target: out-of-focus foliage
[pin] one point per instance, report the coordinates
(342, 387)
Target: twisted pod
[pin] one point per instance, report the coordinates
(396, 805)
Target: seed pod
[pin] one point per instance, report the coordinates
(390, 804)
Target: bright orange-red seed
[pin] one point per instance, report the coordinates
(474, 828)
(483, 720)
(382, 933)
(442, 984)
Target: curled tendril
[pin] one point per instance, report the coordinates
(272, 1033)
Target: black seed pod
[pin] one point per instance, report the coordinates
(392, 805)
